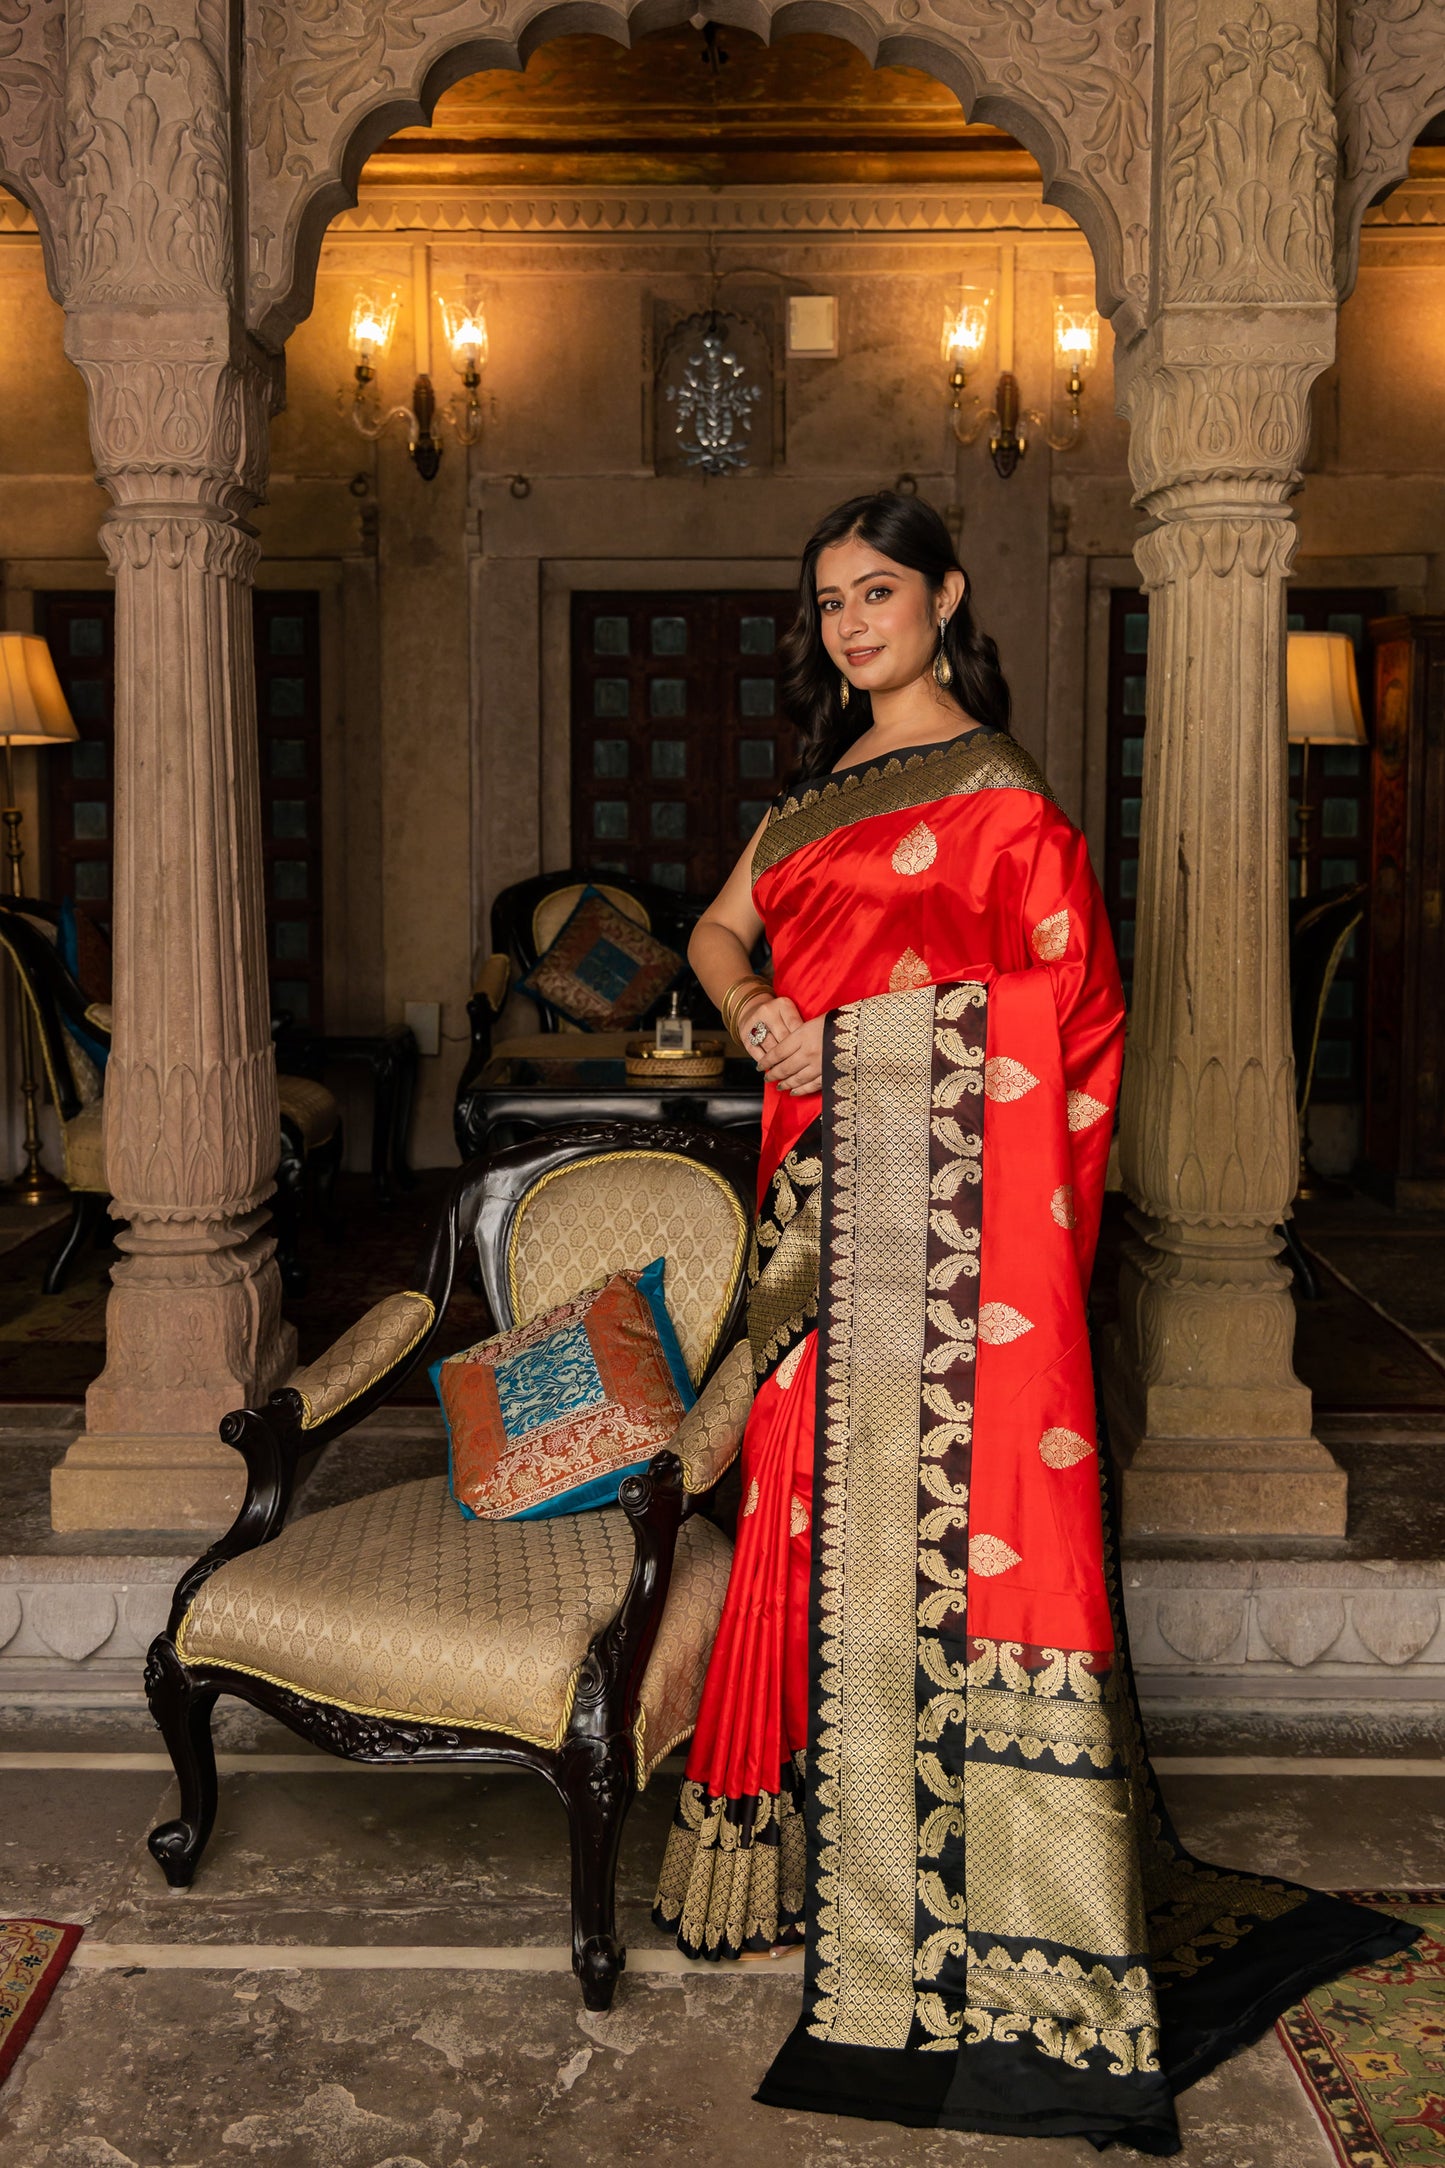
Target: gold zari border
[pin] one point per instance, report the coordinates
(989, 762)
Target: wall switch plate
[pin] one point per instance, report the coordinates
(813, 326)
(424, 1021)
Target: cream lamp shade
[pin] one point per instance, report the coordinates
(32, 705)
(1323, 693)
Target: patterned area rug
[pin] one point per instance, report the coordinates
(33, 1954)
(1370, 2046)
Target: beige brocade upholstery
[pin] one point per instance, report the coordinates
(394, 1605)
(709, 1438)
(84, 1139)
(311, 1107)
(609, 1214)
(365, 1352)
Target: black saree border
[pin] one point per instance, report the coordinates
(981, 760)
(783, 1255)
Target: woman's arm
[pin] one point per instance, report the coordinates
(721, 951)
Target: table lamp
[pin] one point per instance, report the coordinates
(1323, 705)
(32, 712)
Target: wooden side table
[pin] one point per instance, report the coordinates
(392, 1058)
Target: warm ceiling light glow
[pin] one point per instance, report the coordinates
(965, 329)
(372, 324)
(466, 332)
(1076, 337)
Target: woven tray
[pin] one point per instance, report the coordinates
(704, 1065)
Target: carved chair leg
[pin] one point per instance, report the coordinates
(86, 1208)
(325, 1166)
(597, 1781)
(183, 1712)
(286, 1212)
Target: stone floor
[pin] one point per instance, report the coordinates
(370, 1973)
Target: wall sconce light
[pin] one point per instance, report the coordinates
(373, 321)
(1076, 347)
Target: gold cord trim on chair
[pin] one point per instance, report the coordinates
(391, 1716)
(652, 1159)
(310, 1415)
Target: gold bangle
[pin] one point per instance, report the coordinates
(741, 994)
(741, 1010)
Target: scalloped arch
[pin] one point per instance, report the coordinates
(325, 87)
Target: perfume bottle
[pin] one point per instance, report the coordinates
(674, 1032)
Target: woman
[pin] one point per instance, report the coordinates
(918, 1730)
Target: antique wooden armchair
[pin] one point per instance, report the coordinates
(526, 919)
(391, 1629)
(71, 1032)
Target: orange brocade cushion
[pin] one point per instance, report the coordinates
(549, 1417)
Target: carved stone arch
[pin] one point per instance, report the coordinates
(32, 103)
(324, 87)
(1390, 84)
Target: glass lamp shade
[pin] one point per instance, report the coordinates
(32, 705)
(466, 335)
(372, 324)
(1323, 691)
(1076, 336)
(965, 329)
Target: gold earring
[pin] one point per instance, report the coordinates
(942, 667)
(842, 690)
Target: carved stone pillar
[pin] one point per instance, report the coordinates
(179, 405)
(1208, 1415)
(193, 1324)
(1206, 1410)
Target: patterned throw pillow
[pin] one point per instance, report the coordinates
(550, 1417)
(602, 971)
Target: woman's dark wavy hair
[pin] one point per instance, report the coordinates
(909, 532)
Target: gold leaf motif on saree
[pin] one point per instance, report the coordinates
(1084, 1110)
(1005, 1079)
(1000, 1322)
(1051, 937)
(752, 1498)
(1061, 1205)
(917, 851)
(989, 1555)
(1060, 1448)
(797, 1518)
(910, 971)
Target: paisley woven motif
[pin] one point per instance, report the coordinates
(1062, 1448)
(1000, 1322)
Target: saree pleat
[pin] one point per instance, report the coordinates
(922, 1662)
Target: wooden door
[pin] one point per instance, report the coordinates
(679, 743)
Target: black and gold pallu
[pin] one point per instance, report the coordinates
(1003, 1933)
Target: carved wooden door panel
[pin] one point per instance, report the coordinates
(678, 737)
(78, 787)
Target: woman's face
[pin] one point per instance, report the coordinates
(879, 619)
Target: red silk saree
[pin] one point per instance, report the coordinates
(918, 1747)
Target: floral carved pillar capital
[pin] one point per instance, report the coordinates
(180, 402)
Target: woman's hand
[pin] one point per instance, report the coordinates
(775, 1015)
(793, 1059)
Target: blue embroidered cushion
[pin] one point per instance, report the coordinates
(550, 1417)
(602, 971)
